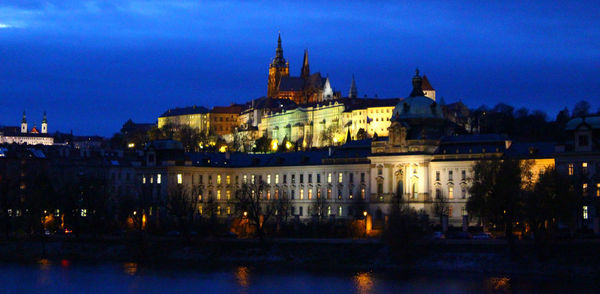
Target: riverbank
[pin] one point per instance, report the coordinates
(568, 258)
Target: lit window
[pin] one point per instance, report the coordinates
(253, 179)
(245, 179)
(585, 212)
(143, 179)
(276, 179)
(301, 194)
(179, 179)
(329, 194)
(340, 210)
(584, 189)
(84, 212)
(269, 179)
(228, 180)
(151, 180)
(158, 178)
(218, 179)
(218, 194)
(200, 209)
(329, 210)
(329, 178)
(571, 169)
(598, 190)
(362, 193)
(269, 195)
(340, 177)
(218, 210)
(450, 192)
(584, 168)
(228, 194)
(228, 209)
(276, 194)
(310, 194)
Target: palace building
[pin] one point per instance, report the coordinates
(23, 135)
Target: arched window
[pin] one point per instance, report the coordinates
(415, 190)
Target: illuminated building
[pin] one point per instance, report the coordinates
(23, 135)
(223, 119)
(195, 117)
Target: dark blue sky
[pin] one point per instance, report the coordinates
(94, 64)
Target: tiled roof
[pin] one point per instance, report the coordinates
(425, 85)
(531, 150)
(291, 84)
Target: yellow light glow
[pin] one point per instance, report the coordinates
(245, 213)
(131, 145)
(288, 145)
(223, 148)
(274, 145)
(365, 213)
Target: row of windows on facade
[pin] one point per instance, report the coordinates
(585, 189)
(275, 194)
(584, 168)
(463, 175)
(269, 178)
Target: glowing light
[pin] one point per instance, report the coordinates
(245, 213)
(130, 268)
(131, 145)
(274, 144)
(363, 282)
(288, 145)
(223, 148)
(365, 213)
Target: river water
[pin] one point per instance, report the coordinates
(65, 278)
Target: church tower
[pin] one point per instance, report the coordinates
(353, 93)
(277, 69)
(24, 124)
(44, 124)
(305, 72)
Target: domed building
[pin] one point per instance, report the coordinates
(417, 124)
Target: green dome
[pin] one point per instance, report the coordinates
(417, 107)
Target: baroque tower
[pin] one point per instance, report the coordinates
(44, 124)
(277, 69)
(24, 124)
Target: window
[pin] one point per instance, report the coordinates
(309, 178)
(437, 176)
(293, 178)
(245, 179)
(276, 194)
(415, 191)
(268, 194)
(584, 168)
(362, 193)
(329, 178)
(464, 193)
(310, 194)
(438, 193)
(301, 212)
(218, 194)
(218, 210)
(201, 179)
(450, 192)
(276, 179)
(179, 179)
(301, 194)
(158, 179)
(340, 210)
(463, 175)
(293, 194)
(379, 188)
(293, 210)
(143, 179)
(218, 179)
(584, 140)
(209, 179)
(228, 209)
(598, 190)
(269, 179)
(284, 179)
(339, 194)
(329, 194)
(301, 178)
(450, 211)
(253, 176)
(228, 180)
(228, 195)
(379, 170)
(84, 212)
(449, 175)
(318, 178)
(351, 179)
(340, 178)
(571, 169)
(584, 189)
(585, 212)
(318, 193)
(362, 177)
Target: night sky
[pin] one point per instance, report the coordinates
(94, 64)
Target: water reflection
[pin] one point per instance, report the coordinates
(497, 284)
(44, 264)
(130, 268)
(363, 282)
(242, 274)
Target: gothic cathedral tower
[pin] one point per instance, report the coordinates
(277, 69)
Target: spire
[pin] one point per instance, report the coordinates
(417, 81)
(24, 120)
(305, 67)
(44, 120)
(278, 61)
(353, 93)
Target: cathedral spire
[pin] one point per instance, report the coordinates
(353, 93)
(278, 61)
(305, 72)
(417, 81)
(44, 120)
(24, 120)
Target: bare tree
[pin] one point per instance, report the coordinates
(182, 204)
(250, 204)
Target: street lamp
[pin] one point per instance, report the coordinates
(365, 215)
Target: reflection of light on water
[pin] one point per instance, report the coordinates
(65, 263)
(130, 268)
(242, 274)
(44, 263)
(501, 284)
(363, 282)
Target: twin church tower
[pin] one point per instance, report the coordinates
(34, 130)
